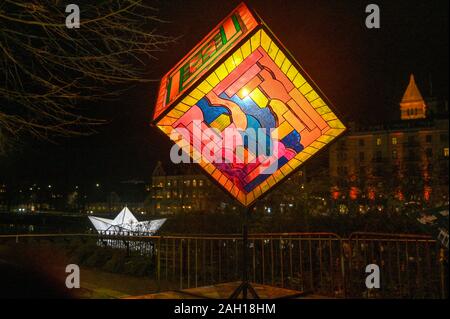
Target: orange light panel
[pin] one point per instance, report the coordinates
(241, 77)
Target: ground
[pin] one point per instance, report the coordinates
(34, 272)
(105, 285)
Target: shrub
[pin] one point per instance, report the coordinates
(138, 266)
(116, 262)
(98, 257)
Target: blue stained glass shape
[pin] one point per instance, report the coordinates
(263, 115)
(211, 112)
(292, 140)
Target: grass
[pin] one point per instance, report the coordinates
(104, 285)
(50, 260)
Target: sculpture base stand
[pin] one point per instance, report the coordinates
(245, 287)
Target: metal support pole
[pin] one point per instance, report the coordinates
(245, 253)
(245, 285)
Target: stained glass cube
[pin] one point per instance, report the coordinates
(241, 77)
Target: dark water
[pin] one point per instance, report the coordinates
(13, 223)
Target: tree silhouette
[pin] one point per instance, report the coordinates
(47, 69)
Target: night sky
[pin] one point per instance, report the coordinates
(362, 71)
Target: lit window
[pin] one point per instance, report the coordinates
(194, 183)
(446, 152)
(378, 141)
(200, 183)
(394, 141)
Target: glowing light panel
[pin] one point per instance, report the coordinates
(256, 84)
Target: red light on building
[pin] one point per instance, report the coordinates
(353, 193)
(335, 193)
(371, 194)
(427, 193)
(399, 195)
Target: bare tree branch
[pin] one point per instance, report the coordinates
(46, 69)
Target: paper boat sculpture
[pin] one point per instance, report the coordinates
(125, 222)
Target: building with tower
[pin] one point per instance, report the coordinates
(398, 162)
(412, 106)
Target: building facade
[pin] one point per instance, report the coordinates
(186, 192)
(404, 161)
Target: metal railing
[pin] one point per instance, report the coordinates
(411, 266)
(307, 262)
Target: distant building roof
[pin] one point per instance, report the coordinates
(412, 93)
(159, 170)
(412, 106)
(399, 126)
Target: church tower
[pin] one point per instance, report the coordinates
(412, 105)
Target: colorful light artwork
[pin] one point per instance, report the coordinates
(247, 82)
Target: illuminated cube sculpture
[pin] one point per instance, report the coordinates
(240, 76)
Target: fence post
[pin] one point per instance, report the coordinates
(442, 271)
(181, 264)
(344, 279)
(158, 265)
(188, 263)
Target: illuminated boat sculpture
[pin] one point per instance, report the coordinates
(126, 224)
